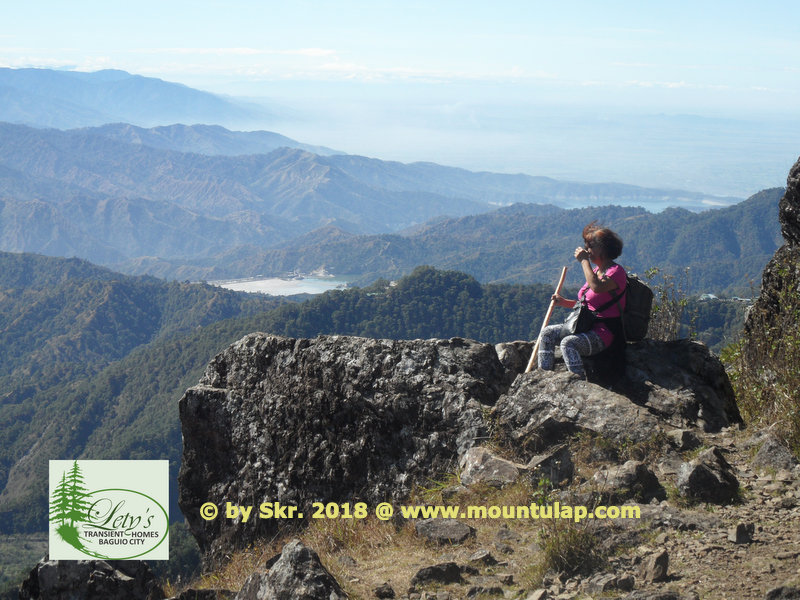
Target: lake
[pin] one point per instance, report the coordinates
(278, 286)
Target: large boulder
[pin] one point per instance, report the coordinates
(297, 574)
(92, 580)
(681, 381)
(339, 419)
(632, 480)
(345, 419)
(708, 478)
(669, 384)
(542, 409)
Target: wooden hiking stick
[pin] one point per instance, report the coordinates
(532, 361)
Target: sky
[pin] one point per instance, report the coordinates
(437, 78)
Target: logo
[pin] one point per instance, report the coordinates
(109, 509)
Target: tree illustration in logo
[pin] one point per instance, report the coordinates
(69, 506)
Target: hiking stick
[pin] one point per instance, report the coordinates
(532, 361)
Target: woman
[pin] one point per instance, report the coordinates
(605, 283)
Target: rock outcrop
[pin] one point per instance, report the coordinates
(708, 478)
(343, 419)
(92, 580)
(789, 207)
(297, 574)
(337, 419)
(667, 384)
(771, 316)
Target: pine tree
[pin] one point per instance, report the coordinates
(77, 504)
(59, 503)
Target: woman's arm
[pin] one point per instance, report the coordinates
(596, 284)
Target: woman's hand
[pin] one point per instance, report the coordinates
(581, 254)
(561, 301)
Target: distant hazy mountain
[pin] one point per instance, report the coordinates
(726, 249)
(80, 193)
(502, 189)
(180, 201)
(211, 140)
(67, 99)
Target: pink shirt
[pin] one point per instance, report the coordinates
(595, 301)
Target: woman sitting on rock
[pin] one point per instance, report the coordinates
(604, 294)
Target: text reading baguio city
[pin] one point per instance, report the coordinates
(385, 511)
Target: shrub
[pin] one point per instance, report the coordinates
(670, 304)
(763, 369)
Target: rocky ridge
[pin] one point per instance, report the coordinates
(351, 419)
(260, 425)
(359, 420)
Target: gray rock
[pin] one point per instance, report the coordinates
(555, 465)
(626, 582)
(345, 419)
(504, 534)
(444, 531)
(783, 593)
(665, 382)
(485, 591)
(205, 595)
(650, 595)
(334, 419)
(384, 591)
(92, 580)
(742, 533)
(789, 207)
(483, 557)
(443, 573)
(683, 382)
(655, 567)
(540, 594)
(503, 548)
(514, 356)
(708, 478)
(773, 455)
(773, 312)
(681, 520)
(479, 465)
(297, 575)
(683, 439)
(542, 409)
(604, 582)
(633, 480)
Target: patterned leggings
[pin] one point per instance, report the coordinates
(572, 348)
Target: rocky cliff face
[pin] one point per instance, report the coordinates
(331, 419)
(772, 315)
(346, 419)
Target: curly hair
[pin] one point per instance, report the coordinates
(608, 242)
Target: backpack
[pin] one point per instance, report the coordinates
(638, 303)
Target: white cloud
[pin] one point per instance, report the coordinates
(228, 51)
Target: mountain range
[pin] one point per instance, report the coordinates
(158, 200)
(724, 249)
(68, 99)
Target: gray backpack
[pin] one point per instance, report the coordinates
(638, 304)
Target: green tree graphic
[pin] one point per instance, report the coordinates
(59, 503)
(76, 493)
(68, 505)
